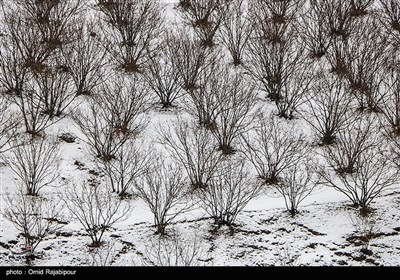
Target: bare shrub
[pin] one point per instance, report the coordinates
(316, 37)
(164, 189)
(13, 74)
(359, 8)
(278, 58)
(329, 107)
(364, 60)
(366, 230)
(30, 104)
(173, 251)
(34, 34)
(95, 208)
(53, 87)
(35, 162)
(391, 14)
(273, 19)
(363, 168)
(35, 217)
(131, 29)
(99, 130)
(85, 59)
(162, 74)
(226, 116)
(46, 25)
(194, 148)
(297, 183)
(356, 138)
(228, 192)
(126, 98)
(113, 116)
(205, 17)
(189, 59)
(102, 256)
(336, 57)
(273, 148)
(204, 100)
(338, 19)
(124, 170)
(235, 113)
(235, 30)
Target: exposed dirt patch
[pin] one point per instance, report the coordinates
(313, 232)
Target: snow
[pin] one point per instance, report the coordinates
(264, 234)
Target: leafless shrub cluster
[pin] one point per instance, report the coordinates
(52, 87)
(131, 30)
(271, 148)
(352, 142)
(235, 111)
(95, 208)
(165, 191)
(314, 30)
(235, 30)
(33, 70)
(204, 99)
(9, 122)
(86, 59)
(34, 217)
(391, 19)
(118, 58)
(189, 59)
(391, 102)
(363, 61)
(277, 57)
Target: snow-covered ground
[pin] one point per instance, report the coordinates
(323, 233)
